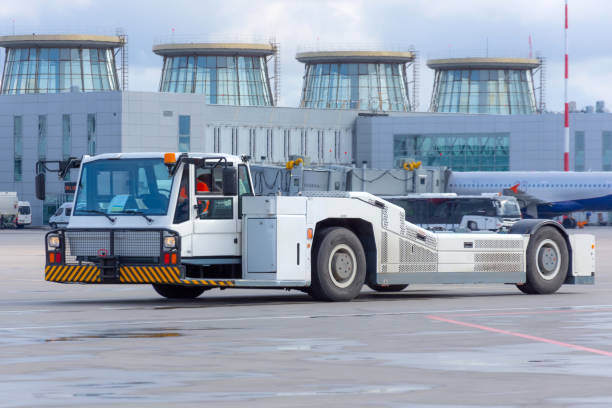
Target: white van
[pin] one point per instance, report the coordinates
(61, 216)
(24, 214)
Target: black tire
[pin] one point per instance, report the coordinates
(472, 226)
(387, 288)
(338, 266)
(526, 289)
(547, 262)
(179, 292)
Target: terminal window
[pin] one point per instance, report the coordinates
(606, 151)
(579, 151)
(460, 152)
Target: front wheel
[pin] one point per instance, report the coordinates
(339, 266)
(179, 292)
(547, 262)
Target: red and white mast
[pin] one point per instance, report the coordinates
(567, 132)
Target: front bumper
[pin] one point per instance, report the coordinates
(143, 274)
(116, 256)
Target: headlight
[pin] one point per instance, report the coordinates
(54, 241)
(169, 242)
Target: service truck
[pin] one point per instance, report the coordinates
(188, 222)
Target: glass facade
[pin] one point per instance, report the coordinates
(184, 142)
(378, 87)
(579, 151)
(492, 91)
(17, 147)
(606, 150)
(460, 152)
(91, 134)
(42, 137)
(66, 141)
(223, 80)
(53, 70)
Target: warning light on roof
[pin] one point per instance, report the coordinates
(169, 158)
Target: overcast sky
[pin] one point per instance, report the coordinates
(436, 28)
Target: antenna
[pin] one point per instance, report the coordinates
(530, 48)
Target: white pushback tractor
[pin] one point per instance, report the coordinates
(188, 222)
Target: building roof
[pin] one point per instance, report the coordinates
(60, 40)
(355, 56)
(484, 63)
(213, 49)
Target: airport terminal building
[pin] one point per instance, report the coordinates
(61, 96)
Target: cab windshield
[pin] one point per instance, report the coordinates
(508, 208)
(124, 186)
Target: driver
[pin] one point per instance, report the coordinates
(203, 183)
(202, 186)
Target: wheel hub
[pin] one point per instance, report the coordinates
(548, 259)
(342, 266)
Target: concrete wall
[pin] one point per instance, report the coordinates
(151, 120)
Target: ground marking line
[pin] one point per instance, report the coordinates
(258, 318)
(521, 335)
(564, 310)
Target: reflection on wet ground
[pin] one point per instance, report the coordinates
(116, 336)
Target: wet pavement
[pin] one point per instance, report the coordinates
(429, 346)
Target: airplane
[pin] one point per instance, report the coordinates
(541, 193)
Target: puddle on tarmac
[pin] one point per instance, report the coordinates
(118, 335)
(136, 334)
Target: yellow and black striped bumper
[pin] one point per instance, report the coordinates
(128, 274)
(73, 273)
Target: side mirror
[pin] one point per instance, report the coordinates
(39, 181)
(230, 182)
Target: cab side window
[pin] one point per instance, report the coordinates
(209, 181)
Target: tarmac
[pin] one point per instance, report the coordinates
(428, 346)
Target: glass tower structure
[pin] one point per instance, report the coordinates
(501, 86)
(363, 80)
(59, 63)
(225, 74)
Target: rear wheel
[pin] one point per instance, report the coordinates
(339, 266)
(547, 262)
(179, 292)
(387, 288)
